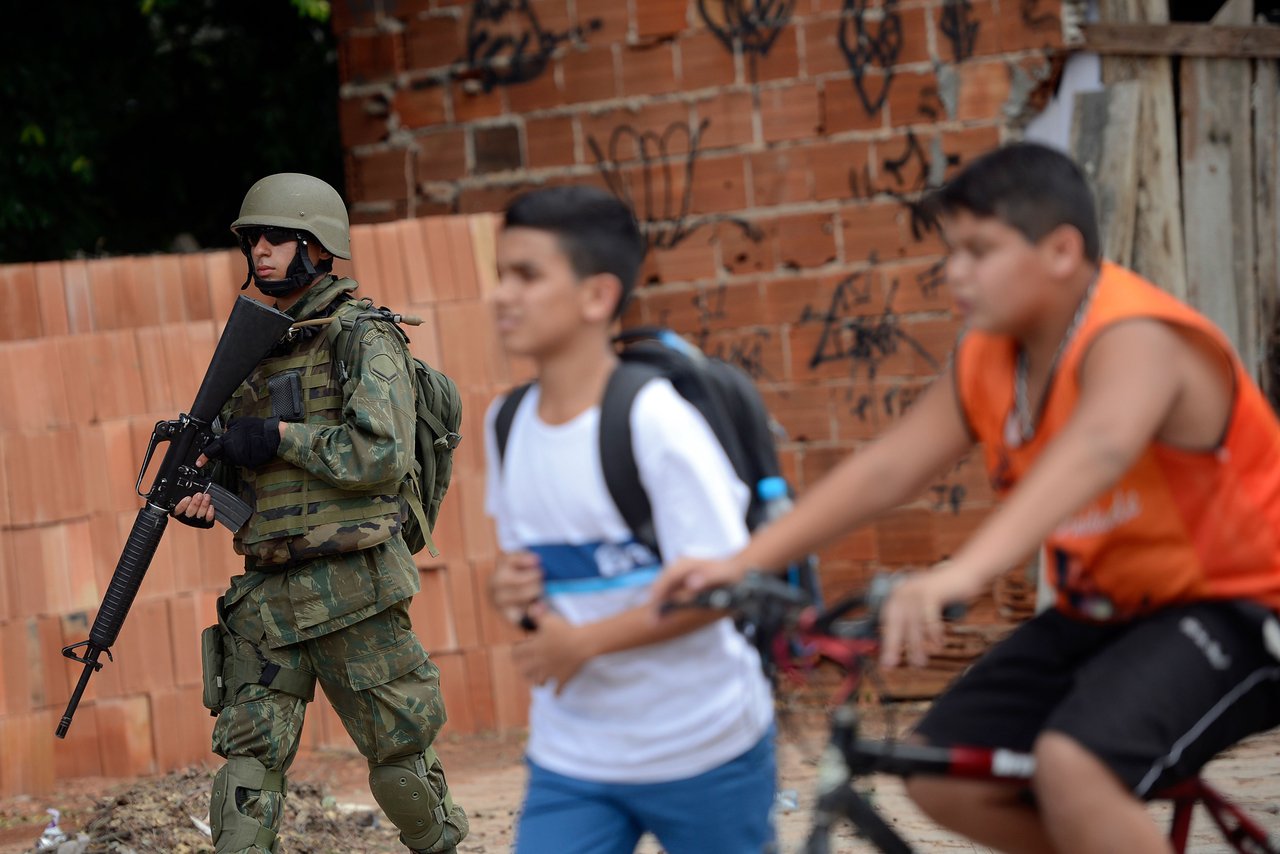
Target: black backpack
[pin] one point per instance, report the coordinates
(721, 391)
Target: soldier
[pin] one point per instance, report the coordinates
(321, 450)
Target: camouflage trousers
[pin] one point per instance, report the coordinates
(378, 678)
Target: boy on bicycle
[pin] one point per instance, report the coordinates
(1127, 437)
(633, 726)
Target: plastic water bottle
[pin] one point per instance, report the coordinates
(775, 498)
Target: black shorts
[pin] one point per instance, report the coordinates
(1154, 699)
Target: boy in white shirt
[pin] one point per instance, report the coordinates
(634, 726)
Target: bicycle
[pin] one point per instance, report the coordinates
(793, 636)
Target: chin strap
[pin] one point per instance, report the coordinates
(300, 274)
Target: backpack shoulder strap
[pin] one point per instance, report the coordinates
(506, 416)
(617, 451)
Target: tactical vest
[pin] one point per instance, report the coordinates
(297, 515)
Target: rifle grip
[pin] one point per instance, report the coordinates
(228, 508)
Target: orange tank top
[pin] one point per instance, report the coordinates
(1180, 525)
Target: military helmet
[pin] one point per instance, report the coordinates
(293, 200)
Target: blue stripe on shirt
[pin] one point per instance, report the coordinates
(592, 567)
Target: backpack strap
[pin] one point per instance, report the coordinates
(617, 452)
(506, 416)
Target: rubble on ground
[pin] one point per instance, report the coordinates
(170, 814)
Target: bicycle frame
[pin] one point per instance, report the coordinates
(851, 644)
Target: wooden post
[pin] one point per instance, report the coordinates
(1104, 141)
(1266, 186)
(1217, 178)
(1158, 251)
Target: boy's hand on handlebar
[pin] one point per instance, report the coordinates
(684, 578)
(911, 620)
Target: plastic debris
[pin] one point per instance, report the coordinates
(53, 836)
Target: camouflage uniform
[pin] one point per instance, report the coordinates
(340, 617)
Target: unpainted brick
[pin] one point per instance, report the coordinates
(590, 75)
(791, 112)
(364, 58)
(433, 42)
(441, 156)
(359, 124)
(705, 61)
(648, 70)
(383, 175)
(656, 18)
(719, 184)
(550, 142)
(729, 119)
(421, 105)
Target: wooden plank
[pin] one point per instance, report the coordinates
(1258, 41)
(1266, 184)
(1158, 251)
(1217, 178)
(1104, 141)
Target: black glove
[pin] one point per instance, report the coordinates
(247, 442)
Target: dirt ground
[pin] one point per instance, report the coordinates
(330, 810)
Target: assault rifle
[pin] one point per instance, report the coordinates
(251, 332)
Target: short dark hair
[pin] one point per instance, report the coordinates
(596, 231)
(1028, 186)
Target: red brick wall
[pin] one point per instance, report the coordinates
(774, 165)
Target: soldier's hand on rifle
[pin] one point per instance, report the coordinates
(198, 506)
(247, 442)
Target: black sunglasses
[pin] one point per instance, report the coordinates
(251, 234)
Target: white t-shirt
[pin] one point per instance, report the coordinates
(657, 713)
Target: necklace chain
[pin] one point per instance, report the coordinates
(1022, 401)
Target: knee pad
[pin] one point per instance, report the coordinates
(413, 794)
(235, 832)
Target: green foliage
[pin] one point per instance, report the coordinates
(127, 125)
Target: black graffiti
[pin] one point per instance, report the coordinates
(862, 409)
(753, 24)
(899, 399)
(1035, 18)
(665, 213)
(949, 496)
(908, 175)
(746, 351)
(960, 28)
(506, 44)
(931, 105)
(869, 46)
(931, 280)
(862, 341)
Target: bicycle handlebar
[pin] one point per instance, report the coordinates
(777, 608)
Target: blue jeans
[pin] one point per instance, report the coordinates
(726, 810)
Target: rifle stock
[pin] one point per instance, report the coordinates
(251, 331)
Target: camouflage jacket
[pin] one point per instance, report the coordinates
(369, 450)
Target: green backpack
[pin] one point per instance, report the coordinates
(439, 408)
